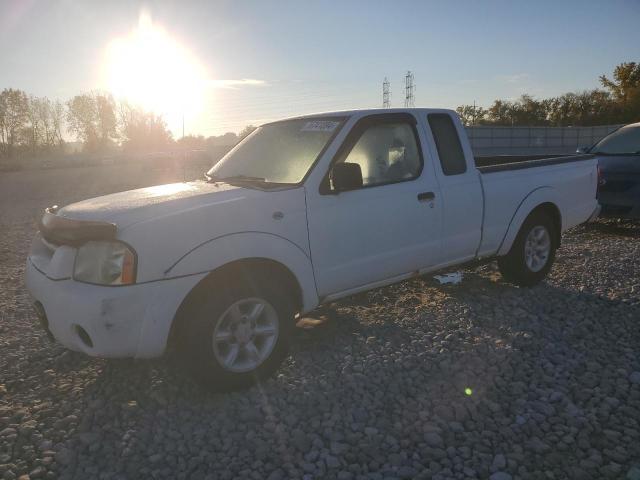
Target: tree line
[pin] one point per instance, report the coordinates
(33, 126)
(29, 123)
(617, 102)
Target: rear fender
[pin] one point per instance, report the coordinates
(535, 198)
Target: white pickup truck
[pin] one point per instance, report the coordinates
(302, 212)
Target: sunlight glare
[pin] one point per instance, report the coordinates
(169, 189)
(152, 70)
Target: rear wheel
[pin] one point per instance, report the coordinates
(237, 335)
(532, 253)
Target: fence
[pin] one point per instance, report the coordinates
(166, 159)
(490, 140)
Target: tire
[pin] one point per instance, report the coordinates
(252, 319)
(520, 266)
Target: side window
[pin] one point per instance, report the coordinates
(386, 153)
(447, 143)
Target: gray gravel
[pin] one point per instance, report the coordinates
(552, 380)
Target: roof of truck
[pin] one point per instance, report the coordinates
(363, 112)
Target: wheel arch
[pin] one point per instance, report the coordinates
(541, 199)
(552, 210)
(238, 269)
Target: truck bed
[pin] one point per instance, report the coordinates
(568, 182)
(499, 163)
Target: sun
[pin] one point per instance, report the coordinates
(154, 71)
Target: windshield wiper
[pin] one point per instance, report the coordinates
(211, 178)
(233, 178)
(246, 180)
(243, 178)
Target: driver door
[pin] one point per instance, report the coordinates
(390, 225)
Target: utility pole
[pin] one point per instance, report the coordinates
(184, 153)
(409, 90)
(386, 94)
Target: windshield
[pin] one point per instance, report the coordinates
(625, 140)
(280, 152)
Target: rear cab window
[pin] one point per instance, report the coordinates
(445, 135)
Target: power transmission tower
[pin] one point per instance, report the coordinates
(409, 90)
(386, 94)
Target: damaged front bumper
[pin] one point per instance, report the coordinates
(101, 321)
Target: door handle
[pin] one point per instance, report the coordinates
(426, 196)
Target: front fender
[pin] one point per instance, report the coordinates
(538, 196)
(222, 250)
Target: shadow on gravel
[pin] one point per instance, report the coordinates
(548, 367)
(539, 375)
(619, 228)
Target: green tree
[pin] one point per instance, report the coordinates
(591, 107)
(34, 130)
(529, 111)
(105, 118)
(226, 140)
(91, 117)
(57, 122)
(625, 89)
(14, 118)
(81, 120)
(246, 131)
(625, 83)
(501, 113)
(618, 103)
(142, 131)
(472, 115)
(192, 142)
(48, 118)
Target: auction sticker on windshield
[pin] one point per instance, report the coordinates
(320, 126)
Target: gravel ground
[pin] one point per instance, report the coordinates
(476, 380)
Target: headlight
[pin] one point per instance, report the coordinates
(105, 263)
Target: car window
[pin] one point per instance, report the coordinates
(625, 140)
(447, 143)
(386, 153)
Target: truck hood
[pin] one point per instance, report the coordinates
(133, 206)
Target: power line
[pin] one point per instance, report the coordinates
(386, 94)
(409, 90)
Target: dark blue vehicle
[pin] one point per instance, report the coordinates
(619, 165)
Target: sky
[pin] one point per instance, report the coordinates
(222, 65)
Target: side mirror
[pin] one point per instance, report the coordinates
(346, 176)
(582, 150)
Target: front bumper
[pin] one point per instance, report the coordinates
(102, 321)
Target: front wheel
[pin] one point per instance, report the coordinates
(532, 253)
(238, 335)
